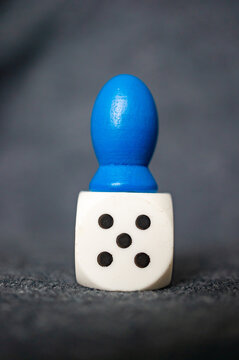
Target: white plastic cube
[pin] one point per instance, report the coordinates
(124, 241)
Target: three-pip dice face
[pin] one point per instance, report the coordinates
(124, 241)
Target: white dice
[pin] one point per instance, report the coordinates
(124, 241)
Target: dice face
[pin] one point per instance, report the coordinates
(124, 241)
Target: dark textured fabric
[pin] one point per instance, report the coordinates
(46, 315)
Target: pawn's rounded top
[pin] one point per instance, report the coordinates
(124, 122)
(124, 129)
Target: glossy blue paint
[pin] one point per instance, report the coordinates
(124, 129)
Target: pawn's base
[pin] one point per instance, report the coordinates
(123, 178)
(124, 241)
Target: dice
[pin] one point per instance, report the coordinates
(124, 241)
(124, 228)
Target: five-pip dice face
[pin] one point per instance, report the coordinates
(124, 241)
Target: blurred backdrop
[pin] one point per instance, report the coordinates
(54, 58)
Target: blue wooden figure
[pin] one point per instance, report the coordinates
(124, 228)
(124, 129)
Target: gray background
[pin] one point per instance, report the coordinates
(54, 58)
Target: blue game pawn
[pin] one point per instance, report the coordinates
(124, 229)
(124, 129)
